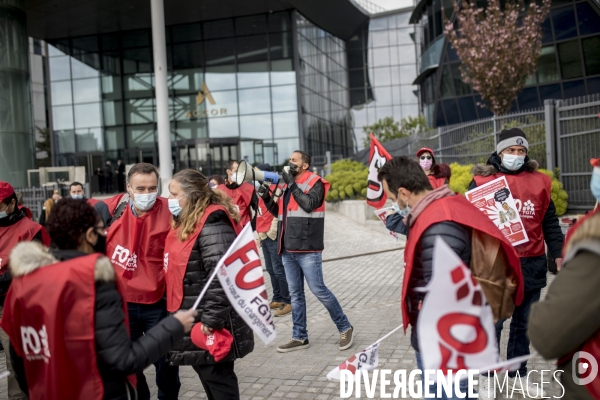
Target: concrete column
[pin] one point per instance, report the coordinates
(162, 94)
(16, 133)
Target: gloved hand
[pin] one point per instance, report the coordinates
(263, 191)
(288, 178)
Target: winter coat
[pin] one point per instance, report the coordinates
(117, 355)
(458, 238)
(215, 310)
(567, 318)
(534, 268)
(439, 175)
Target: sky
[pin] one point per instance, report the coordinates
(393, 4)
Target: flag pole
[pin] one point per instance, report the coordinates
(386, 336)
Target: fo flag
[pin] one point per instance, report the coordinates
(240, 274)
(376, 197)
(366, 360)
(456, 326)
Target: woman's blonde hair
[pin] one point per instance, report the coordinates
(199, 196)
(589, 230)
(48, 206)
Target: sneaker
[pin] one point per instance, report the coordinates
(292, 345)
(285, 310)
(275, 305)
(346, 338)
(531, 389)
(486, 388)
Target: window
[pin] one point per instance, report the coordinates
(564, 23)
(451, 112)
(186, 33)
(550, 92)
(547, 67)
(188, 55)
(467, 108)
(574, 89)
(589, 20)
(447, 88)
(591, 54)
(570, 59)
(528, 99)
(256, 126)
(136, 38)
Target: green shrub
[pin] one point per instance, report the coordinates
(461, 177)
(559, 195)
(348, 180)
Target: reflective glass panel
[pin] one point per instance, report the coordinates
(591, 54)
(61, 93)
(570, 59)
(113, 113)
(186, 33)
(218, 29)
(223, 127)
(115, 139)
(188, 55)
(139, 111)
(253, 74)
(284, 98)
(256, 126)
(140, 136)
(218, 52)
(564, 23)
(139, 85)
(65, 141)
(86, 90)
(589, 20)
(60, 68)
(574, 89)
(251, 25)
(136, 38)
(137, 60)
(285, 124)
(62, 117)
(89, 140)
(87, 115)
(254, 101)
(547, 66)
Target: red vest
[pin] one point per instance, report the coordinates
(305, 182)
(454, 209)
(23, 231)
(241, 196)
(177, 254)
(436, 182)
(531, 191)
(264, 219)
(136, 246)
(49, 317)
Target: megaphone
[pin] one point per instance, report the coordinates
(246, 173)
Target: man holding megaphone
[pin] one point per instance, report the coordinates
(300, 209)
(242, 194)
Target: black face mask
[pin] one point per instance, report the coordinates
(100, 246)
(294, 169)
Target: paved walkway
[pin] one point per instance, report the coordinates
(368, 288)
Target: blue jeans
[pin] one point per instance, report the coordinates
(518, 342)
(309, 265)
(463, 385)
(142, 318)
(274, 265)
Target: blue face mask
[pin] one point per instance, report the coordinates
(512, 162)
(174, 206)
(3, 214)
(402, 212)
(77, 196)
(595, 183)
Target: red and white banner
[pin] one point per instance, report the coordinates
(456, 326)
(382, 215)
(496, 201)
(240, 273)
(376, 197)
(366, 360)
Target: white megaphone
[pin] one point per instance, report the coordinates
(246, 173)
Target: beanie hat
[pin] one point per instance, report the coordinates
(6, 190)
(511, 137)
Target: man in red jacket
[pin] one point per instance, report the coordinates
(15, 227)
(243, 195)
(139, 224)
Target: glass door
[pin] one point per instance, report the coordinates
(92, 163)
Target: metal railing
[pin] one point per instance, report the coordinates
(35, 197)
(564, 134)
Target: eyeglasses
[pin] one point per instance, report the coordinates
(425, 157)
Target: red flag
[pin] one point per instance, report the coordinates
(376, 197)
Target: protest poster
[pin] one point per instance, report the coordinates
(382, 215)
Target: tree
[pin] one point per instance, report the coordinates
(499, 47)
(387, 129)
(43, 146)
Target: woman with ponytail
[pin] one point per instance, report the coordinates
(205, 224)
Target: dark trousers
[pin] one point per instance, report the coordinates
(274, 266)
(219, 381)
(518, 342)
(142, 318)
(108, 184)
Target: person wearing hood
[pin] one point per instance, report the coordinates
(15, 227)
(67, 319)
(438, 174)
(531, 190)
(244, 197)
(138, 226)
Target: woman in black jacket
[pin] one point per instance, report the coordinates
(77, 230)
(203, 230)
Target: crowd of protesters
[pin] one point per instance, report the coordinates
(95, 275)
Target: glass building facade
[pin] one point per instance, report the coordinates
(382, 62)
(569, 63)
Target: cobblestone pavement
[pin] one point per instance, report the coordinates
(368, 288)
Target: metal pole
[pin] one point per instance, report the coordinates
(162, 94)
(328, 157)
(550, 134)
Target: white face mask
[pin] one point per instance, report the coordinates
(174, 206)
(77, 196)
(403, 212)
(144, 202)
(512, 162)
